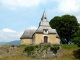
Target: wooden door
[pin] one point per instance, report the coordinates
(45, 39)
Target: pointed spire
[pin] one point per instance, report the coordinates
(44, 21)
(44, 18)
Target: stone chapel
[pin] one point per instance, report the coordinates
(43, 34)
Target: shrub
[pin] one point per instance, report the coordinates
(40, 49)
(54, 48)
(76, 54)
(79, 44)
(29, 49)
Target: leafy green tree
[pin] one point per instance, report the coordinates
(76, 37)
(65, 25)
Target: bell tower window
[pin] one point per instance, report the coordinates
(45, 31)
(45, 17)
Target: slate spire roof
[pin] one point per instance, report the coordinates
(44, 18)
(44, 21)
(44, 24)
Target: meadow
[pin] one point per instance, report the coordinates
(70, 52)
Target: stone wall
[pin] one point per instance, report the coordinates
(38, 39)
(44, 51)
(8, 51)
(53, 39)
(26, 41)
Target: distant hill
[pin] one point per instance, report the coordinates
(15, 42)
(2, 43)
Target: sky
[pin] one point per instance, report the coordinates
(18, 15)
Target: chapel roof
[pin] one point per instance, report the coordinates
(50, 30)
(44, 21)
(28, 33)
(44, 24)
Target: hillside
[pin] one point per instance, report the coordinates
(15, 42)
(68, 53)
(2, 43)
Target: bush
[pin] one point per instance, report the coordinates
(40, 49)
(23, 45)
(54, 48)
(29, 49)
(76, 54)
(79, 44)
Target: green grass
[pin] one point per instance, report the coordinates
(67, 54)
(72, 46)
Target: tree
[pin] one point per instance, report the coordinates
(76, 37)
(65, 25)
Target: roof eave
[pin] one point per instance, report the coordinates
(25, 38)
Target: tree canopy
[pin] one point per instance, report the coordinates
(65, 25)
(76, 37)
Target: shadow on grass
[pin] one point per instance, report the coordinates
(76, 54)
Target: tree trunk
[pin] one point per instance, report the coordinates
(67, 39)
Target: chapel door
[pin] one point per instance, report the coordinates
(45, 39)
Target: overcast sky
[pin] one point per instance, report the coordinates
(18, 15)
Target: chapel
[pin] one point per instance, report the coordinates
(43, 34)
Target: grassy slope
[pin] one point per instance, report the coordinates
(66, 55)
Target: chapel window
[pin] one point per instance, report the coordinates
(45, 31)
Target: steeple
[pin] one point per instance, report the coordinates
(44, 18)
(44, 25)
(44, 21)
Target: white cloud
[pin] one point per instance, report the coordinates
(78, 18)
(20, 3)
(69, 6)
(7, 35)
(8, 30)
(32, 27)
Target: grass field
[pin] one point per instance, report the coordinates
(67, 54)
